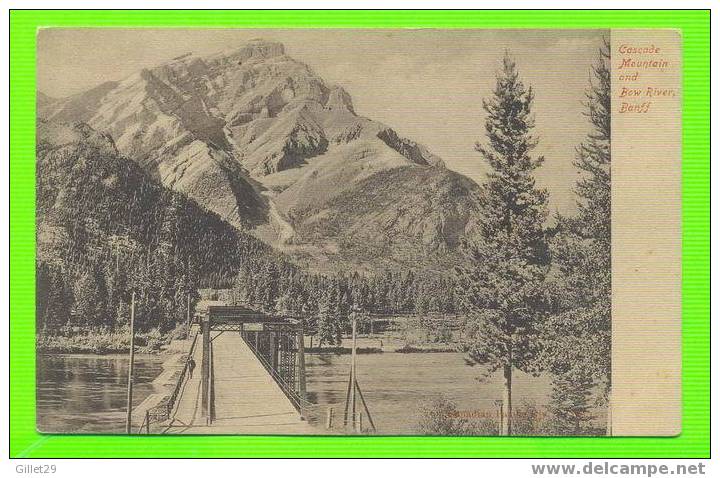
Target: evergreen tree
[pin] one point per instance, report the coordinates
(89, 299)
(342, 321)
(501, 285)
(579, 331)
(328, 313)
(54, 298)
(407, 287)
(114, 290)
(290, 296)
(570, 405)
(310, 303)
(43, 290)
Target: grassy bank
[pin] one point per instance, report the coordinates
(101, 341)
(407, 341)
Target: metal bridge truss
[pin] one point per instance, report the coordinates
(276, 341)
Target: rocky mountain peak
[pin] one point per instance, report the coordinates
(263, 141)
(339, 99)
(259, 48)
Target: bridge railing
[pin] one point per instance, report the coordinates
(313, 413)
(286, 388)
(163, 411)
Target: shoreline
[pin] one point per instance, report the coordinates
(93, 342)
(113, 355)
(100, 344)
(314, 351)
(376, 350)
(165, 382)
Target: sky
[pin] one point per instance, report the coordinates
(426, 84)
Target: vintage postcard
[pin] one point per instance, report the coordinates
(342, 232)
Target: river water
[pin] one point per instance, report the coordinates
(87, 394)
(395, 385)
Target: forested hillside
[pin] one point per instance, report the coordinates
(105, 229)
(261, 139)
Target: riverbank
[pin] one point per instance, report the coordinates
(106, 342)
(163, 385)
(102, 342)
(405, 349)
(382, 343)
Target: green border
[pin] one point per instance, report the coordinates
(693, 442)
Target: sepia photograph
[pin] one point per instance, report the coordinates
(324, 232)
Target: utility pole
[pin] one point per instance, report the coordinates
(501, 421)
(353, 390)
(608, 426)
(128, 419)
(353, 378)
(205, 370)
(211, 391)
(187, 329)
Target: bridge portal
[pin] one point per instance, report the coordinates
(252, 371)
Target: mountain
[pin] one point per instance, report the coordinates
(105, 229)
(260, 139)
(93, 204)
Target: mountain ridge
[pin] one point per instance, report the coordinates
(259, 138)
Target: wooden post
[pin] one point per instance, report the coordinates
(359, 428)
(329, 420)
(187, 328)
(211, 389)
(347, 398)
(502, 419)
(147, 422)
(302, 388)
(367, 410)
(353, 377)
(507, 401)
(608, 425)
(128, 418)
(205, 370)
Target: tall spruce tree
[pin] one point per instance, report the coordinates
(579, 331)
(328, 313)
(570, 405)
(89, 297)
(500, 286)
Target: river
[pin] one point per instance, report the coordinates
(395, 385)
(88, 393)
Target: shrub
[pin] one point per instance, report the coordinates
(438, 416)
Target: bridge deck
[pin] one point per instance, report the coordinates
(247, 399)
